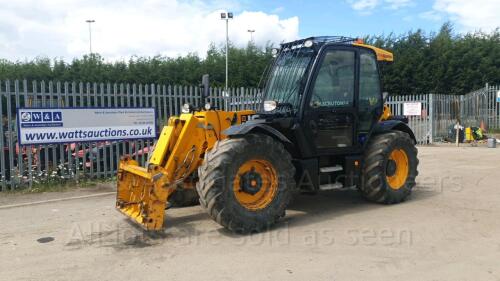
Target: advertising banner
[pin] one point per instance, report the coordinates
(68, 125)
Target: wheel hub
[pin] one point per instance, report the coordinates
(390, 169)
(251, 182)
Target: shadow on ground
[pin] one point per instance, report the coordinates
(303, 211)
(329, 205)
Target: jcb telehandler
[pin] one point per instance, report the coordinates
(322, 125)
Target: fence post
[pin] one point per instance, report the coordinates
(431, 117)
(3, 170)
(10, 137)
(29, 149)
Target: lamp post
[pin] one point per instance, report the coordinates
(251, 31)
(90, 22)
(227, 17)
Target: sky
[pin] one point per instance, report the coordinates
(124, 28)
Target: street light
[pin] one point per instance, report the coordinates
(226, 17)
(90, 22)
(251, 31)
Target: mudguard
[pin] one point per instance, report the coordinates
(255, 127)
(388, 125)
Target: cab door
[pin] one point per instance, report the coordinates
(370, 101)
(330, 115)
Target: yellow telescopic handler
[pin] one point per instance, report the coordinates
(321, 125)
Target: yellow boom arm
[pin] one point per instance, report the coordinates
(144, 191)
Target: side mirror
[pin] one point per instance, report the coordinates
(385, 95)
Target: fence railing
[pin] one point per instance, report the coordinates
(481, 106)
(420, 124)
(441, 112)
(25, 165)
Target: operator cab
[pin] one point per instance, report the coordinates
(324, 93)
(323, 101)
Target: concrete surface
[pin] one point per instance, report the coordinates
(448, 230)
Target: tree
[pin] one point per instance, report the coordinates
(442, 62)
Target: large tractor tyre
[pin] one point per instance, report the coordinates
(245, 184)
(183, 198)
(390, 168)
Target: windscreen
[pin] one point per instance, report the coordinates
(285, 76)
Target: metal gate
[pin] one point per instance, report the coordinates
(420, 124)
(441, 112)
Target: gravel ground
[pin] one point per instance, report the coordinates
(448, 230)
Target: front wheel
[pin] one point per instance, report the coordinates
(390, 168)
(245, 184)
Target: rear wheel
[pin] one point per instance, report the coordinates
(390, 168)
(245, 184)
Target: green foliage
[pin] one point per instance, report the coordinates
(442, 62)
(245, 65)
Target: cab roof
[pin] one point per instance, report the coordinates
(382, 55)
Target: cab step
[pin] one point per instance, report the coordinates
(331, 186)
(331, 169)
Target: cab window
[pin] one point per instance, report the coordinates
(334, 84)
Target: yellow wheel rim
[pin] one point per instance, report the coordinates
(396, 178)
(255, 184)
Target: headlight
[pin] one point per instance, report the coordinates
(308, 44)
(186, 108)
(208, 106)
(270, 105)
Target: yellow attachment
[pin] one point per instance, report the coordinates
(139, 197)
(261, 178)
(398, 179)
(144, 191)
(382, 55)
